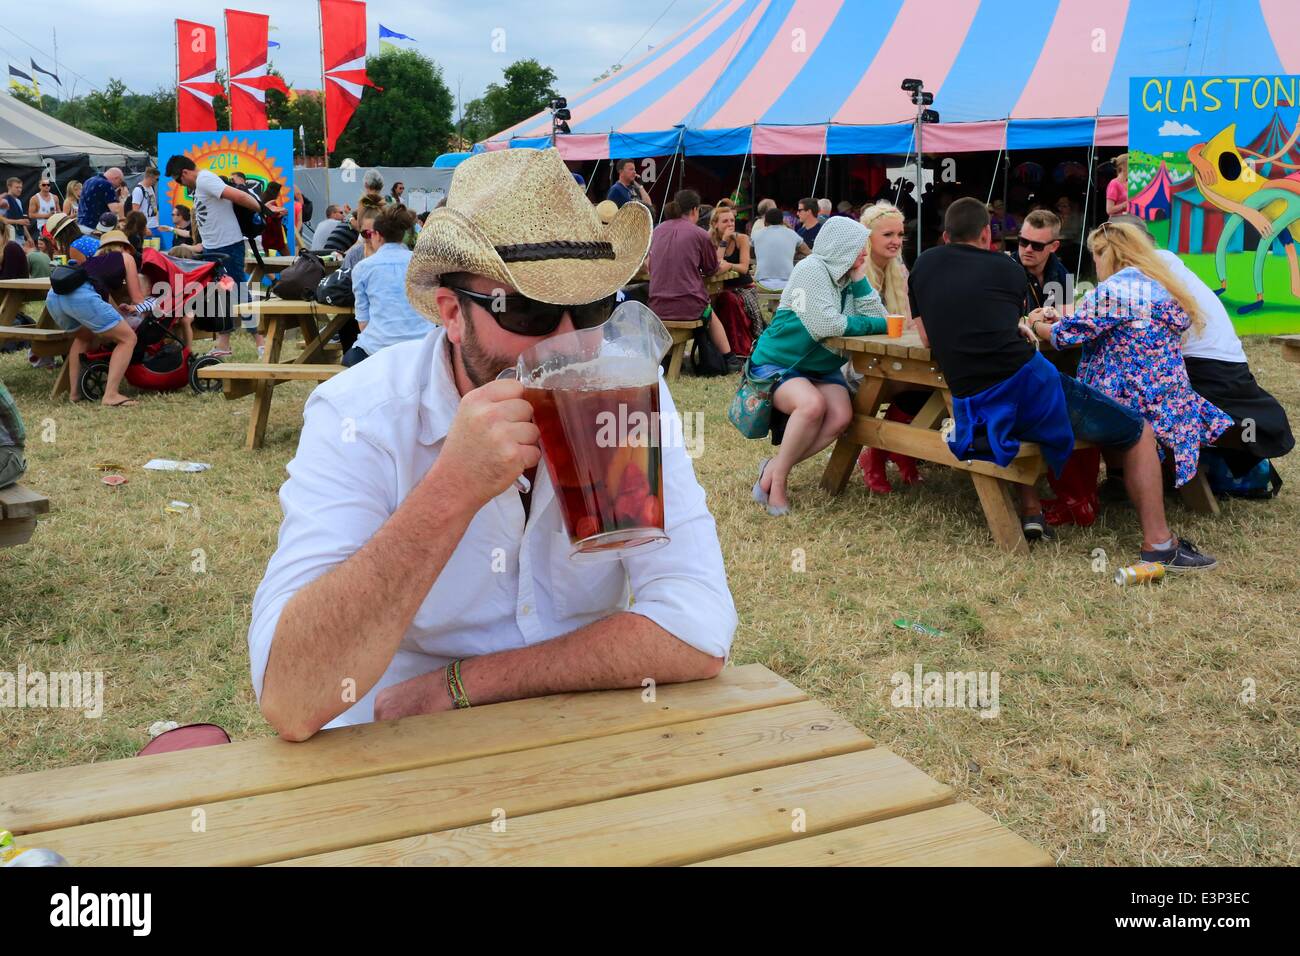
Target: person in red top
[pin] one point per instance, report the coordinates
(681, 255)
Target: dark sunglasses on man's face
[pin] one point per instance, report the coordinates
(524, 316)
(1036, 246)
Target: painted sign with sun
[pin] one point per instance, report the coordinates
(262, 156)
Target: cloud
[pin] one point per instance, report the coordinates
(1174, 128)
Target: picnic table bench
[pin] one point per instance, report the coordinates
(317, 361)
(19, 508)
(904, 361)
(1290, 346)
(743, 769)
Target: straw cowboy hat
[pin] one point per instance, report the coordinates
(517, 216)
(58, 223)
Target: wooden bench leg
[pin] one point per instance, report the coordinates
(675, 360)
(262, 393)
(1197, 495)
(61, 381)
(1001, 513)
(845, 455)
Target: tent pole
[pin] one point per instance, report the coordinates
(1087, 193)
(920, 178)
(753, 177)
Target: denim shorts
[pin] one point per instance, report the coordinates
(84, 307)
(830, 378)
(780, 418)
(1098, 418)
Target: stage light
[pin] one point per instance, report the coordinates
(911, 86)
(563, 114)
(929, 116)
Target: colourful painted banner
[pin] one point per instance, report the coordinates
(1214, 168)
(263, 156)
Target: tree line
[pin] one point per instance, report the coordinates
(410, 123)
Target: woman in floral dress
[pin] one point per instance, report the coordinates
(1131, 328)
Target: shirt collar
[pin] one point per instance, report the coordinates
(439, 397)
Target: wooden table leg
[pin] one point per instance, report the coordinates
(262, 393)
(274, 339)
(1198, 496)
(1001, 513)
(845, 455)
(932, 412)
(675, 361)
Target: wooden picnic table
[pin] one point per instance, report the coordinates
(47, 339)
(891, 365)
(1290, 346)
(317, 361)
(740, 770)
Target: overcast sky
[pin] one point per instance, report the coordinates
(579, 39)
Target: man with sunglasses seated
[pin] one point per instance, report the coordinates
(423, 564)
(1040, 238)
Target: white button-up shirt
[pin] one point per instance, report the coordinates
(369, 436)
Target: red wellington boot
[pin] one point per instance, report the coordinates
(906, 464)
(872, 463)
(1076, 490)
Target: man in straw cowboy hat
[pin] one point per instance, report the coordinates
(412, 574)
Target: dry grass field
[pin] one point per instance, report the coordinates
(1122, 735)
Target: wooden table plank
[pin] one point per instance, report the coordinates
(1290, 346)
(956, 835)
(119, 788)
(384, 808)
(683, 824)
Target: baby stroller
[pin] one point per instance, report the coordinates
(160, 362)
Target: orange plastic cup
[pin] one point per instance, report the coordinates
(895, 323)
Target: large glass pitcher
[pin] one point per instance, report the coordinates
(595, 398)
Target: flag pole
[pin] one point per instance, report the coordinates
(176, 47)
(325, 132)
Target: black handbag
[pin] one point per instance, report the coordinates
(65, 279)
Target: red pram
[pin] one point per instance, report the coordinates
(160, 362)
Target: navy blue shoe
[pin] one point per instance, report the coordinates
(1183, 556)
(1036, 529)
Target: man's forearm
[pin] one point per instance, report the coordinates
(618, 651)
(348, 623)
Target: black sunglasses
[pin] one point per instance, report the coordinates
(1036, 246)
(524, 316)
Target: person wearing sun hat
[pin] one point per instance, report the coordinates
(411, 566)
(102, 307)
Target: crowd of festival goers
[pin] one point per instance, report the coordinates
(1145, 367)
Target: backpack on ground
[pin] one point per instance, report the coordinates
(336, 288)
(299, 280)
(1261, 482)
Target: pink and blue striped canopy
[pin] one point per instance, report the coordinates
(822, 76)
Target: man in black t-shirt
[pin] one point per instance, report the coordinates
(967, 304)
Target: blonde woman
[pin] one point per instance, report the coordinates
(1131, 328)
(885, 271)
(1117, 189)
(73, 197)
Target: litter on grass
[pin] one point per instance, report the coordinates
(113, 480)
(166, 464)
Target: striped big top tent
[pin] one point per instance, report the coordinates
(822, 76)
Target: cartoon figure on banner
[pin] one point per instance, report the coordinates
(262, 157)
(1228, 180)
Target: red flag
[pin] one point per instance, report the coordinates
(343, 40)
(246, 35)
(196, 76)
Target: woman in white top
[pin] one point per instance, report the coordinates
(72, 198)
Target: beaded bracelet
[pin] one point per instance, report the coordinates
(454, 685)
